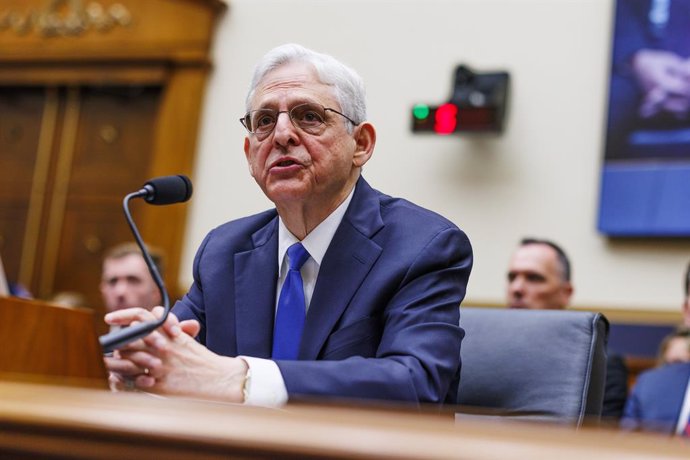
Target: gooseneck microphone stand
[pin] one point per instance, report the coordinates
(163, 190)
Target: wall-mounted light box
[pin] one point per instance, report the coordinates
(478, 104)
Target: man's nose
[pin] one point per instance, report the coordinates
(120, 288)
(285, 131)
(516, 286)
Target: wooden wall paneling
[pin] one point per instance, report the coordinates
(43, 284)
(113, 151)
(24, 117)
(12, 229)
(180, 30)
(20, 74)
(123, 83)
(111, 158)
(41, 182)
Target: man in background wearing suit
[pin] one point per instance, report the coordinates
(381, 278)
(539, 277)
(660, 399)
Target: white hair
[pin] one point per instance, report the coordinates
(347, 85)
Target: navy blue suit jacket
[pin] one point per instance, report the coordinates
(657, 399)
(383, 319)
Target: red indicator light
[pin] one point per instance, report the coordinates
(446, 119)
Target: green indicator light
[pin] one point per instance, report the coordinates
(420, 111)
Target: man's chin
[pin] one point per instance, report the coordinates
(287, 192)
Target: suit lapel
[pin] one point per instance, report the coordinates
(346, 263)
(256, 275)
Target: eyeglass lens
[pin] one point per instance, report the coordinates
(308, 117)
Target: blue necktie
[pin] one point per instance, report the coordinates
(289, 322)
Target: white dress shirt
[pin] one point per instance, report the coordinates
(684, 411)
(266, 386)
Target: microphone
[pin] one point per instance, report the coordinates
(168, 190)
(158, 191)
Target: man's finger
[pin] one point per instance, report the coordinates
(122, 367)
(127, 316)
(190, 327)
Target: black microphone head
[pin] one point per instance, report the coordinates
(168, 189)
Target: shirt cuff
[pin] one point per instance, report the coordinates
(266, 386)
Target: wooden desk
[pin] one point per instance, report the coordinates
(40, 421)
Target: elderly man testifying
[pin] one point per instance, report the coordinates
(340, 291)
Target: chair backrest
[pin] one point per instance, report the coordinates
(533, 364)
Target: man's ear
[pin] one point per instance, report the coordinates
(246, 155)
(365, 140)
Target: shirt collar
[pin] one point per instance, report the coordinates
(317, 241)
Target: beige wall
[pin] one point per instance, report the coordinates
(540, 178)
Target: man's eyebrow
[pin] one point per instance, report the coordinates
(293, 103)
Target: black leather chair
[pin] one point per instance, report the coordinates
(532, 364)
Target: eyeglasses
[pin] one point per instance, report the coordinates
(309, 117)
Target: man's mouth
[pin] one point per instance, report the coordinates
(285, 163)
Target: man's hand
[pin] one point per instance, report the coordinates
(664, 78)
(170, 361)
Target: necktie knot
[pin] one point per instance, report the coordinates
(297, 256)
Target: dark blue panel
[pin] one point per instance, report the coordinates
(640, 340)
(673, 208)
(645, 199)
